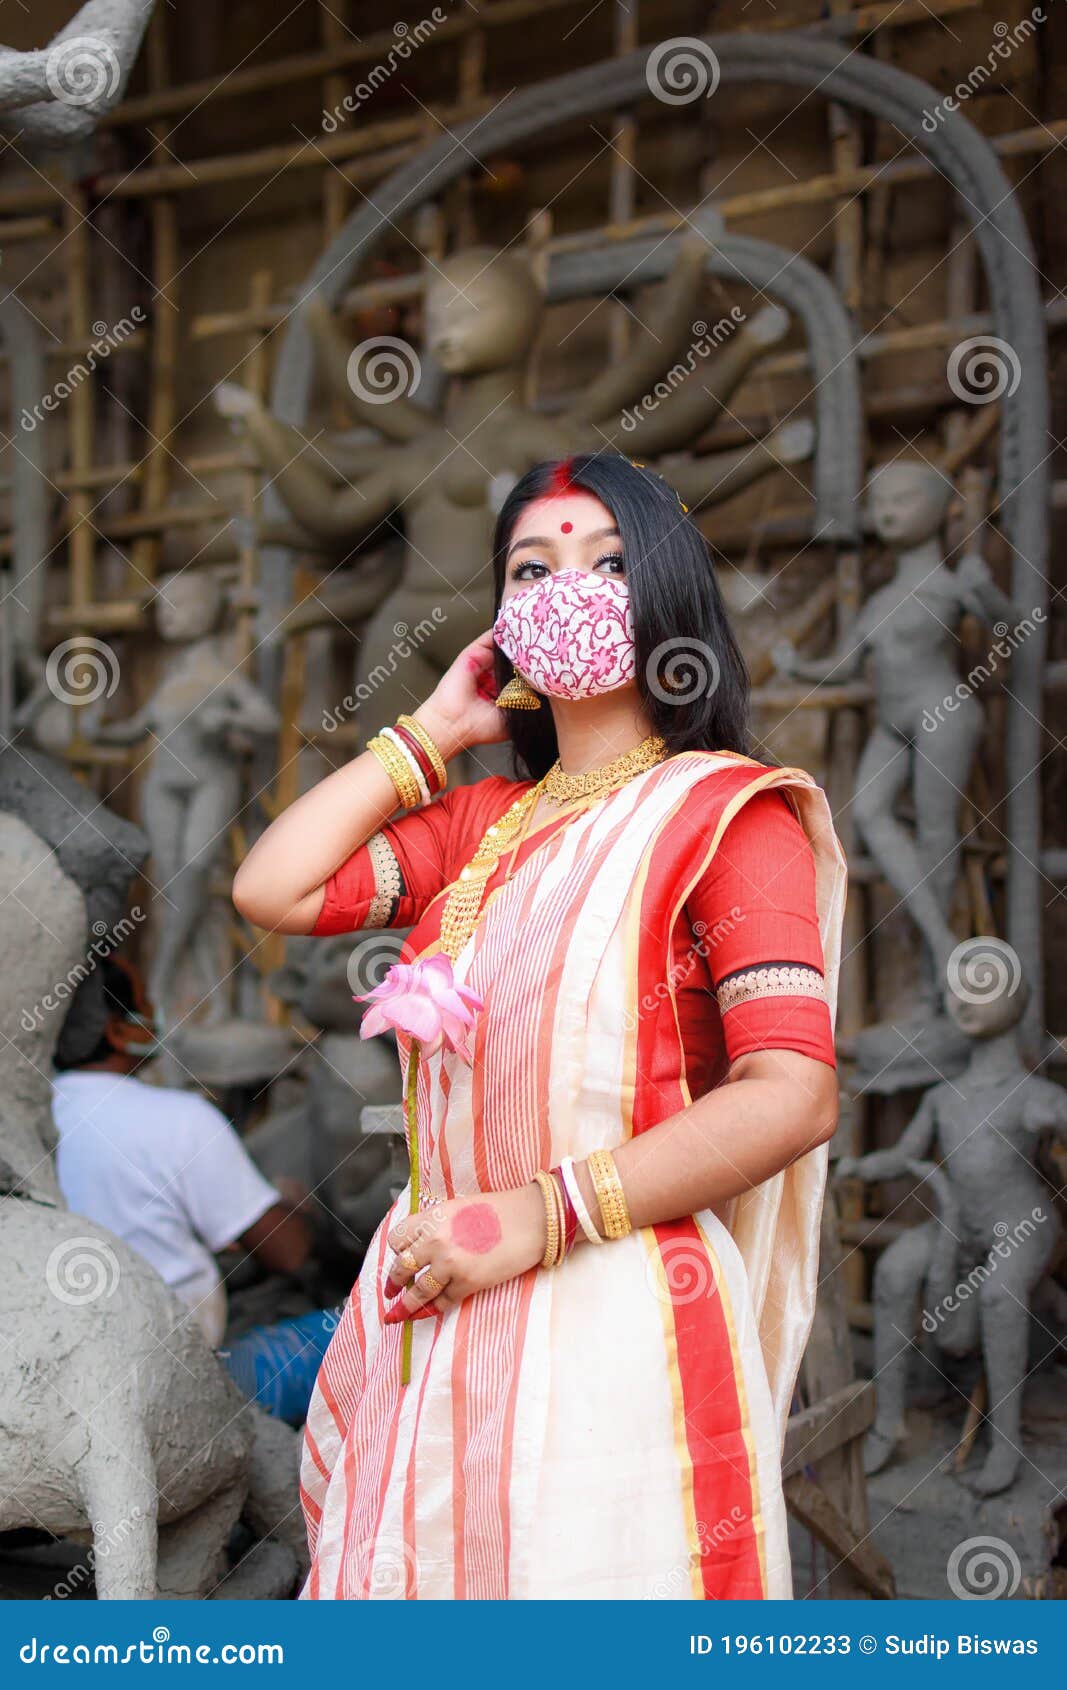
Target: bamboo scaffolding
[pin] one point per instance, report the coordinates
(346, 53)
(317, 152)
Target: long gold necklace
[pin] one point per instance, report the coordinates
(464, 901)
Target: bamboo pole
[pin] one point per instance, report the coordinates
(409, 133)
(310, 66)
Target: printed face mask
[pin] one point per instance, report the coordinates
(571, 634)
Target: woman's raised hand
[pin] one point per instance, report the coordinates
(460, 711)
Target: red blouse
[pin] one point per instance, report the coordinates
(754, 908)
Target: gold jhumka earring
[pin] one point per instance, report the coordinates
(518, 694)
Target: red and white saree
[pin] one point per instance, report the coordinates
(611, 1429)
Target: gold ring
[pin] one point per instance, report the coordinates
(406, 1260)
(428, 1283)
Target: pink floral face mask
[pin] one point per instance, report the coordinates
(571, 634)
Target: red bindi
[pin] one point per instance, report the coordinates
(565, 527)
(477, 1228)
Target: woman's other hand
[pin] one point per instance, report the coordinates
(466, 1245)
(460, 711)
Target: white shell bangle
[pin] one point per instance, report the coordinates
(574, 1192)
(420, 778)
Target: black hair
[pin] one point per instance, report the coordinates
(120, 998)
(691, 675)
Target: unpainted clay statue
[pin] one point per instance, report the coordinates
(321, 1142)
(444, 473)
(192, 791)
(927, 727)
(120, 1427)
(973, 1267)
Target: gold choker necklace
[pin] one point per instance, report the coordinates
(561, 788)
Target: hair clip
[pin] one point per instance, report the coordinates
(637, 464)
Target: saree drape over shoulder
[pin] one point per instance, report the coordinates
(612, 1428)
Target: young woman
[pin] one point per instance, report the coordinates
(568, 1372)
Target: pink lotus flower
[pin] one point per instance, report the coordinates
(423, 1000)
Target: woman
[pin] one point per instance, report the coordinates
(602, 1298)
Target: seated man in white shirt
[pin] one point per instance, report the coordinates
(163, 1168)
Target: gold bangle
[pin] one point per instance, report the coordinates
(396, 767)
(561, 1220)
(419, 732)
(609, 1194)
(549, 1194)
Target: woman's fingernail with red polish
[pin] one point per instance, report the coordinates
(391, 1287)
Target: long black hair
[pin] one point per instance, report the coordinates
(691, 675)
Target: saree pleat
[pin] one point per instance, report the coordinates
(612, 1429)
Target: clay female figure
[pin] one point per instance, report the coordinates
(192, 791)
(976, 1265)
(926, 726)
(575, 1336)
(444, 474)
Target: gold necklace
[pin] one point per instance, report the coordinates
(463, 903)
(560, 788)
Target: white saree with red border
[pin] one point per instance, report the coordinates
(611, 1429)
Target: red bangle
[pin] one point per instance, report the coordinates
(570, 1214)
(429, 773)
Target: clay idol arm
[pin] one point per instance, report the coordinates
(398, 419)
(912, 1145)
(665, 339)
